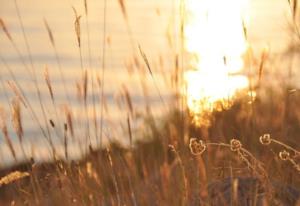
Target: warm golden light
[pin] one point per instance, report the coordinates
(214, 35)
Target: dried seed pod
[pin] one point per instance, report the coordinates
(284, 155)
(265, 139)
(197, 147)
(235, 145)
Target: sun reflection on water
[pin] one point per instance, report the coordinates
(215, 37)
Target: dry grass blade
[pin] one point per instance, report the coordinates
(295, 5)
(77, 26)
(68, 115)
(50, 34)
(129, 131)
(79, 91)
(151, 73)
(264, 56)
(183, 173)
(114, 177)
(17, 120)
(98, 81)
(8, 141)
(16, 91)
(145, 60)
(245, 30)
(128, 99)
(5, 30)
(123, 8)
(103, 69)
(5, 133)
(85, 7)
(48, 82)
(66, 140)
(12, 177)
(85, 85)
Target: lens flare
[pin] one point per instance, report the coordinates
(215, 37)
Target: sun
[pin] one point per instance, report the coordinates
(215, 36)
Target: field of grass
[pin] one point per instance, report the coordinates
(248, 154)
(164, 169)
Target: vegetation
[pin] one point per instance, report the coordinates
(247, 154)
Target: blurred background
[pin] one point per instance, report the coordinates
(152, 25)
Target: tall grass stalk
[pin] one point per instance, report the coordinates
(143, 55)
(57, 58)
(21, 93)
(114, 177)
(34, 77)
(91, 68)
(84, 81)
(184, 177)
(103, 70)
(57, 125)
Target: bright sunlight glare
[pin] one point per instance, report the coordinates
(215, 37)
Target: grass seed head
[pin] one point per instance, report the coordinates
(5, 133)
(17, 120)
(48, 82)
(77, 26)
(12, 177)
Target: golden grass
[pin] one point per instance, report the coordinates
(176, 163)
(12, 177)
